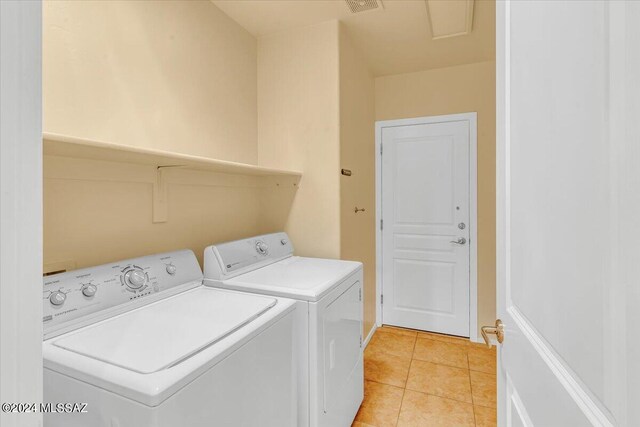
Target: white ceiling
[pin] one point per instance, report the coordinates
(394, 40)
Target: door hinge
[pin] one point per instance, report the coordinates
(381, 299)
(381, 224)
(360, 341)
(381, 148)
(360, 294)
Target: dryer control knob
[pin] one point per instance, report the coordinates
(135, 279)
(57, 298)
(171, 269)
(89, 290)
(262, 248)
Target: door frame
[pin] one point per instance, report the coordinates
(472, 118)
(21, 213)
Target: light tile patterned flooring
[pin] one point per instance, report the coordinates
(423, 379)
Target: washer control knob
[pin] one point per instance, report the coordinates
(57, 298)
(135, 279)
(89, 290)
(171, 269)
(283, 242)
(262, 248)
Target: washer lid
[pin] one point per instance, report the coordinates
(295, 277)
(165, 333)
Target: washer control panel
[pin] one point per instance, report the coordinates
(71, 296)
(230, 259)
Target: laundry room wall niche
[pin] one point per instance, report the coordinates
(174, 76)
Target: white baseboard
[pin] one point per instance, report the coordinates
(368, 338)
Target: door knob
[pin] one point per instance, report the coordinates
(460, 241)
(497, 330)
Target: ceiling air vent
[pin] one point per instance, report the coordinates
(357, 6)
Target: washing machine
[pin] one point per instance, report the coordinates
(142, 342)
(328, 324)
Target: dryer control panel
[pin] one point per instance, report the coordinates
(76, 298)
(227, 260)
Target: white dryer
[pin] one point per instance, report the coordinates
(143, 343)
(328, 318)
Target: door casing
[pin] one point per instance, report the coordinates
(472, 118)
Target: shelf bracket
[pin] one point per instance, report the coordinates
(160, 202)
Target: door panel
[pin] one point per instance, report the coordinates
(573, 195)
(424, 163)
(425, 196)
(565, 143)
(413, 274)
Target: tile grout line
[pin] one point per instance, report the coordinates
(473, 406)
(444, 397)
(431, 394)
(471, 384)
(443, 364)
(404, 390)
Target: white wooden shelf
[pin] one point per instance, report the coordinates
(68, 146)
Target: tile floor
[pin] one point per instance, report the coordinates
(423, 379)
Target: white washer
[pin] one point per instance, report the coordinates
(143, 343)
(328, 318)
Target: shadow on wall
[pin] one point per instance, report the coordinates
(276, 200)
(97, 212)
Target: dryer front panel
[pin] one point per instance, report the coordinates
(342, 326)
(339, 354)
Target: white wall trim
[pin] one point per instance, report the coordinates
(472, 118)
(369, 336)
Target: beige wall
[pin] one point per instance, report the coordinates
(298, 128)
(357, 117)
(171, 75)
(451, 90)
(179, 76)
(96, 212)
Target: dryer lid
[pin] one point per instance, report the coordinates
(165, 333)
(296, 277)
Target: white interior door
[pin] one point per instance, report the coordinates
(426, 223)
(568, 209)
